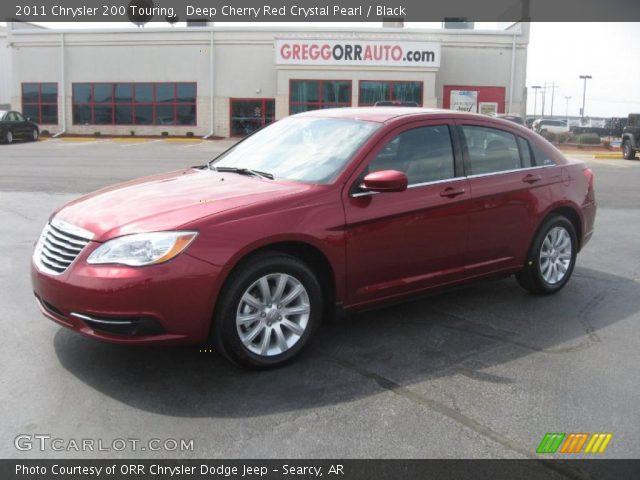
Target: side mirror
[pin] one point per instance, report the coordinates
(385, 181)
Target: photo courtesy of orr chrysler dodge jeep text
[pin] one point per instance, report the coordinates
(337, 208)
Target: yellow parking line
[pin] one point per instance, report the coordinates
(608, 155)
(78, 139)
(182, 140)
(129, 140)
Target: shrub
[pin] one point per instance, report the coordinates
(589, 139)
(133, 133)
(550, 136)
(563, 137)
(164, 134)
(189, 134)
(96, 134)
(45, 132)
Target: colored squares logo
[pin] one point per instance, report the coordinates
(574, 443)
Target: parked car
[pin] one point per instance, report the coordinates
(631, 137)
(543, 125)
(14, 125)
(324, 210)
(512, 118)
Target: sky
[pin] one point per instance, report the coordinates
(558, 54)
(609, 52)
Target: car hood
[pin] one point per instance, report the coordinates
(168, 201)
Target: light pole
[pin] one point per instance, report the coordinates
(553, 89)
(567, 109)
(535, 99)
(584, 92)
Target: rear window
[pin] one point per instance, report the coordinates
(540, 158)
(490, 150)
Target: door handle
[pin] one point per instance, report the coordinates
(451, 192)
(529, 178)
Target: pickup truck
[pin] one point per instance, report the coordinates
(631, 137)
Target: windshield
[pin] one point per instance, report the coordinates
(306, 149)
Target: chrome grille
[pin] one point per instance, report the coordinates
(59, 245)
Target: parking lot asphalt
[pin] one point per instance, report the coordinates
(482, 371)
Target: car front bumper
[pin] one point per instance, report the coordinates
(170, 303)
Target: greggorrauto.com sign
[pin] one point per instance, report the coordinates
(379, 53)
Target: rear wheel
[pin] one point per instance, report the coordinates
(551, 258)
(34, 135)
(268, 311)
(627, 150)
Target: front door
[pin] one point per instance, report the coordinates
(400, 242)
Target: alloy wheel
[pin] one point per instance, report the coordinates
(273, 314)
(555, 255)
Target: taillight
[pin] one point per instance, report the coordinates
(588, 173)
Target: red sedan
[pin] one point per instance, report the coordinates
(328, 209)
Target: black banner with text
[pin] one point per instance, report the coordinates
(327, 469)
(143, 11)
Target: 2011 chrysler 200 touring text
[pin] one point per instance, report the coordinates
(325, 209)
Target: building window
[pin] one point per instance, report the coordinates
(390, 91)
(305, 95)
(40, 102)
(171, 103)
(248, 115)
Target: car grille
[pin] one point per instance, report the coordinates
(59, 245)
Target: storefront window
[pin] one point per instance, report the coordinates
(305, 95)
(396, 91)
(40, 102)
(168, 103)
(248, 115)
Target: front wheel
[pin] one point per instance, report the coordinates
(8, 137)
(627, 150)
(551, 258)
(268, 311)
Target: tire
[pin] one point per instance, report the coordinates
(8, 137)
(34, 135)
(240, 328)
(627, 150)
(550, 261)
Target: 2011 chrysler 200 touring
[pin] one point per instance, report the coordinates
(332, 208)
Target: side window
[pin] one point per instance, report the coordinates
(424, 154)
(525, 153)
(490, 150)
(12, 117)
(19, 117)
(540, 158)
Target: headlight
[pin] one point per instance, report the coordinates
(142, 248)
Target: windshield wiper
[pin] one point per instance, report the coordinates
(243, 171)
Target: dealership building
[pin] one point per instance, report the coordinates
(229, 80)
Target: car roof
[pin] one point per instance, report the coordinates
(385, 114)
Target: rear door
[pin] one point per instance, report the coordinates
(398, 242)
(507, 190)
